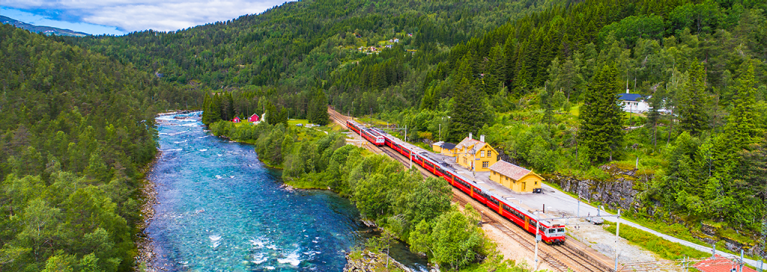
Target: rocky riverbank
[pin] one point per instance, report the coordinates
(145, 257)
(363, 261)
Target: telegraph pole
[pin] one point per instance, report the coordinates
(537, 221)
(617, 230)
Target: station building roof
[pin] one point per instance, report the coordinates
(448, 146)
(510, 170)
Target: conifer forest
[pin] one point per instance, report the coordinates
(540, 79)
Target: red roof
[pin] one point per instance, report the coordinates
(510, 170)
(253, 118)
(720, 264)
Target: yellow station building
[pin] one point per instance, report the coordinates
(475, 154)
(516, 178)
(447, 149)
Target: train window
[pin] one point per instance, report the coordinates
(561, 230)
(552, 230)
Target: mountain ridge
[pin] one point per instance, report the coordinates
(45, 30)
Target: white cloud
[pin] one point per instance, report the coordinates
(145, 14)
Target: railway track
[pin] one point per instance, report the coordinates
(560, 258)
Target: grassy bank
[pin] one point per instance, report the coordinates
(665, 249)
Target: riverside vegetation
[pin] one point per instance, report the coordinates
(410, 208)
(76, 130)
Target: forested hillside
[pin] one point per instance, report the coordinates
(539, 78)
(75, 129)
(282, 53)
(543, 89)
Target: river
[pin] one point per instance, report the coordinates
(220, 209)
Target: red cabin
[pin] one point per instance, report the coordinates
(236, 120)
(253, 118)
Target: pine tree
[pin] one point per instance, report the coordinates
(741, 127)
(653, 115)
(318, 109)
(213, 109)
(468, 113)
(692, 100)
(600, 129)
(206, 109)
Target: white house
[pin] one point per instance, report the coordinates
(633, 103)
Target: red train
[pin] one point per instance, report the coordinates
(372, 135)
(550, 233)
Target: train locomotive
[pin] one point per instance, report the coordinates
(374, 136)
(550, 233)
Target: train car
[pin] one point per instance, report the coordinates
(354, 126)
(550, 233)
(372, 136)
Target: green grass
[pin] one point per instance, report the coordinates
(294, 122)
(650, 242)
(576, 109)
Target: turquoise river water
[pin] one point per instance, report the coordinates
(220, 209)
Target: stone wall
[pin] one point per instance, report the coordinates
(620, 191)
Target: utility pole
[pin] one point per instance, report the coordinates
(578, 213)
(411, 158)
(617, 230)
(741, 260)
(537, 221)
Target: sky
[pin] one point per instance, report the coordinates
(117, 17)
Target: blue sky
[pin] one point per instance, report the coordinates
(118, 17)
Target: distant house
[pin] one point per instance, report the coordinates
(253, 118)
(516, 178)
(373, 48)
(634, 103)
(410, 34)
(388, 46)
(236, 120)
(476, 155)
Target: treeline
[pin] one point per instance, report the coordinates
(75, 131)
(292, 49)
(297, 41)
(415, 210)
(245, 102)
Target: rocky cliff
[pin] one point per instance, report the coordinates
(622, 189)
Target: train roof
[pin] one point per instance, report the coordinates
(449, 168)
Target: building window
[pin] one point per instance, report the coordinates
(482, 154)
(484, 164)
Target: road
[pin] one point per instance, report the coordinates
(556, 200)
